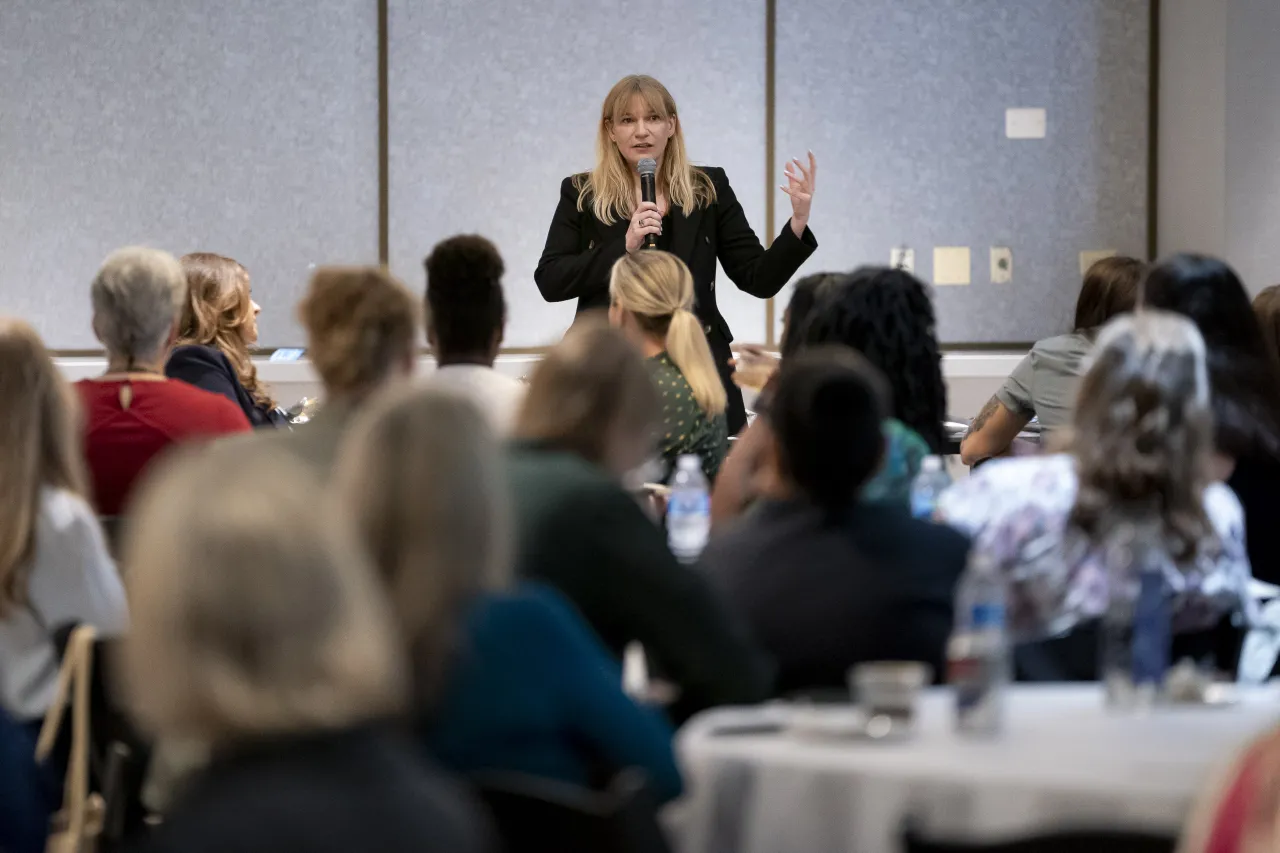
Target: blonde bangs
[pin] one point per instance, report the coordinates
(610, 186)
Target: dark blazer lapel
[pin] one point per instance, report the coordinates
(684, 233)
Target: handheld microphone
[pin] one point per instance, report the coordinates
(648, 169)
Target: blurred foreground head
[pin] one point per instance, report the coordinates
(421, 473)
(253, 611)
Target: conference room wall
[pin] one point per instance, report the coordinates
(242, 127)
(493, 104)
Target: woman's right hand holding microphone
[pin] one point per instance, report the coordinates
(646, 219)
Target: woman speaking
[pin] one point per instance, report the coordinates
(695, 216)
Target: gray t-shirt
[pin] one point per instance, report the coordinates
(1044, 383)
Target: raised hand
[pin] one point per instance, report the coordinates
(799, 186)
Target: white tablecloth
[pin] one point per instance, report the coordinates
(1063, 759)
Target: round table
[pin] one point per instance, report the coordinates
(1062, 760)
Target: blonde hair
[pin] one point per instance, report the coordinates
(39, 446)
(588, 385)
(657, 289)
(421, 473)
(253, 613)
(611, 184)
(360, 322)
(217, 312)
(136, 296)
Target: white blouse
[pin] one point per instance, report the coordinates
(72, 580)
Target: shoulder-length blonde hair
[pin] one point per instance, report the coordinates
(39, 446)
(585, 387)
(217, 312)
(421, 473)
(657, 289)
(253, 611)
(610, 186)
(1142, 432)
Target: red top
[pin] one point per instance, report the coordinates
(120, 441)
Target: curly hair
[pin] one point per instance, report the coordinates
(887, 315)
(1143, 433)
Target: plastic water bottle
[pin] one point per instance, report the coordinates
(1137, 625)
(688, 510)
(928, 486)
(978, 652)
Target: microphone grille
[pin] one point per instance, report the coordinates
(647, 166)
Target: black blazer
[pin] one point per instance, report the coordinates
(580, 252)
(209, 368)
(821, 597)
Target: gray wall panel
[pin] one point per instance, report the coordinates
(904, 103)
(492, 104)
(242, 127)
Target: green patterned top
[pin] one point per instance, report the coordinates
(686, 428)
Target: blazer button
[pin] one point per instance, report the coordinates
(708, 239)
(707, 329)
(713, 284)
(591, 245)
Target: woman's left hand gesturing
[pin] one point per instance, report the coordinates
(800, 187)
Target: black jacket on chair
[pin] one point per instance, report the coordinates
(581, 250)
(209, 368)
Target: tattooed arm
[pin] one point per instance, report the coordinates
(991, 433)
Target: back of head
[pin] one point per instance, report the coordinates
(826, 411)
(805, 296)
(656, 288)
(588, 388)
(1142, 430)
(136, 297)
(466, 310)
(1266, 305)
(1243, 373)
(1110, 288)
(39, 446)
(887, 316)
(361, 327)
(421, 473)
(253, 612)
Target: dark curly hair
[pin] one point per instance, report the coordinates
(1244, 378)
(887, 315)
(465, 305)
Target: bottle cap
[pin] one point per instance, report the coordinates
(689, 461)
(931, 463)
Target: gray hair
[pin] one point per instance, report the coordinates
(136, 297)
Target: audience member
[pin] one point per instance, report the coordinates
(28, 793)
(466, 315)
(1266, 305)
(753, 365)
(132, 412)
(1239, 811)
(1139, 459)
(588, 419)
(824, 581)
(1043, 385)
(1244, 383)
(509, 677)
(259, 631)
(651, 297)
(362, 327)
(219, 323)
(54, 566)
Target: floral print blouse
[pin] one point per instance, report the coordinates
(685, 427)
(1017, 513)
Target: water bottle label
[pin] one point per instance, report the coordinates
(988, 614)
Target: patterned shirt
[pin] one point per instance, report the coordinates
(1017, 512)
(686, 428)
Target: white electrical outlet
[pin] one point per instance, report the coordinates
(903, 258)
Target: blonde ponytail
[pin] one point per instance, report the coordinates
(657, 289)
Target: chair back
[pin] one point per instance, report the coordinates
(535, 814)
(1064, 841)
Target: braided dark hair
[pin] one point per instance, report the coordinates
(887, 315)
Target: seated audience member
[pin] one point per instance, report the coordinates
(651, 297)
(753, 365)
(1244, 383)
(219, 323)
(28, 793)
(509, 677)
(1043, 385)
(886, 316)
(132, 412)
(827, 582)
(1266, 305)
(589, 418)
(466, 315)
(1239, 811)
(54, 567)
(259, 632)
(1139, 459)
(362, 328)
